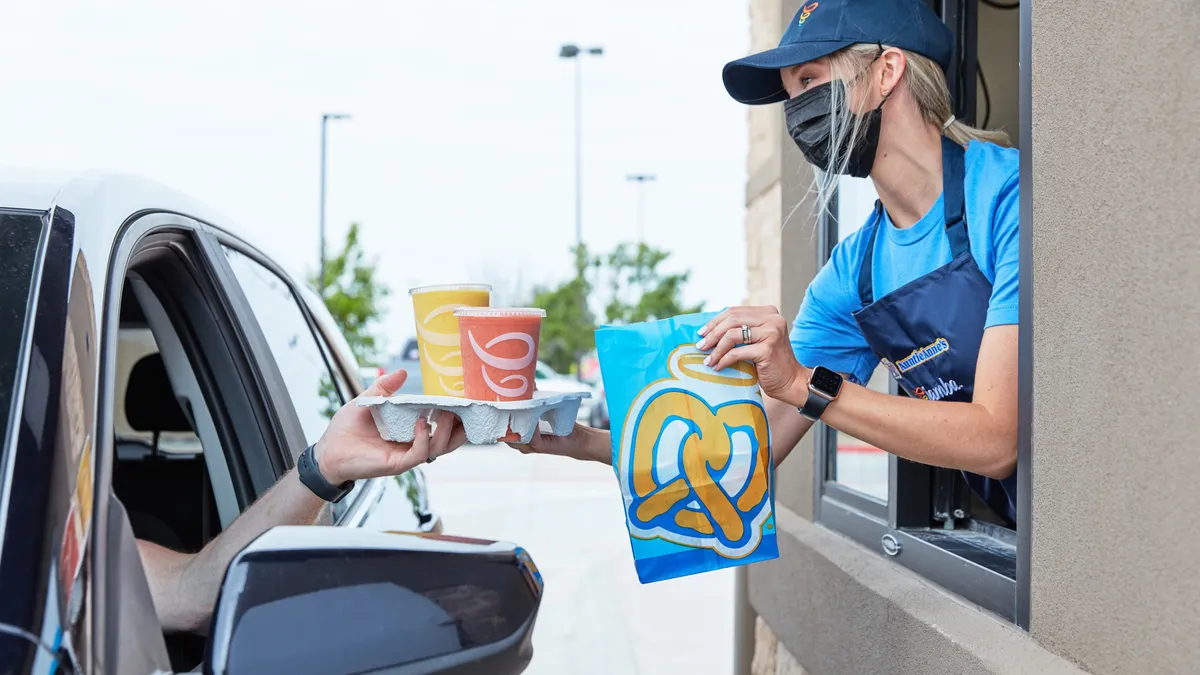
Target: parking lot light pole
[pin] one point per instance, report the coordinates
(641, 179)
(570, 51)
(321, 227)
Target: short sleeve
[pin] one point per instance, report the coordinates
(1003, 308)
(825, 332)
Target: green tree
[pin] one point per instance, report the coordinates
(355, 301)
(637, 290)
(353, 296)
(568, 330)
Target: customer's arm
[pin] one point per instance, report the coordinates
(185, 586)
(787, 425)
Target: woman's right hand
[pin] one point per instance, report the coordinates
(582, 443)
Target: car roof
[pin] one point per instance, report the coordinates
(103, 200)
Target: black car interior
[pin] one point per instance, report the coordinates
(168, 496)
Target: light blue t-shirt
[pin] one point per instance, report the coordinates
(825, 332)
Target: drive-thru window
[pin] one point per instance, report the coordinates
(946, 533)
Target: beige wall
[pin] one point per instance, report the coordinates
(1116, 302)
(1116, 471)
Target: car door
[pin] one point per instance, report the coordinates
(45, 470)
(169, 260)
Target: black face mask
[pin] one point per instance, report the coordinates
(810, 120)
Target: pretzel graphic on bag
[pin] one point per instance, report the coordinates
(694, 458)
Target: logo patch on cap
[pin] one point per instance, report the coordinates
(808, 10)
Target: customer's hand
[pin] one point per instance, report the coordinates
(352, 449)
(582, 443)
(770, 348)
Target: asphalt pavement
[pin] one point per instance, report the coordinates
(595, 616)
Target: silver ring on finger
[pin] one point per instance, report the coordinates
(746, 334)
(429, 460)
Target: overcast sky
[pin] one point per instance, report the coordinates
(458, 162)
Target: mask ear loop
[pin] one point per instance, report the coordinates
(879, 54)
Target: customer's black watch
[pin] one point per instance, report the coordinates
(823, 388)
(310, 475)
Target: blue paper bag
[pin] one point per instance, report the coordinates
(691, 450)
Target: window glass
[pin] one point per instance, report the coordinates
(859, 465)
(19, 237)
(347, 392)
(292, 342)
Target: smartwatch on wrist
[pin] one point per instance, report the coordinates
(310, 475)
(823, 388)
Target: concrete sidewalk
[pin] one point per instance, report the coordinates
(596, 617)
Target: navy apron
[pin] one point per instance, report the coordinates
(927, 332)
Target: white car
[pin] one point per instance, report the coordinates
(550, 381)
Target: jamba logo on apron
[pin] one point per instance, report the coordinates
(938, 392)
(924, 354)
(698, 447)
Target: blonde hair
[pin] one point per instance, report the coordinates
(926, 84)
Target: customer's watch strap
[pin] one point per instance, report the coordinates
(310, 475)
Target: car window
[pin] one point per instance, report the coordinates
(299, 357)
(19, 237)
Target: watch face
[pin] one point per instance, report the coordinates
(826, 381)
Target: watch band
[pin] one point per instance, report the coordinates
(310, 475)
(815, 406)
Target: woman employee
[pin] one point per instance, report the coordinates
(928, 285)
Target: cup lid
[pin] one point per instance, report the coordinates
(449, 287)
(500, 311)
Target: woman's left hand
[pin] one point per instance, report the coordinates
(769, 348)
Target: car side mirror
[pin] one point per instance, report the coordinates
(334, 600)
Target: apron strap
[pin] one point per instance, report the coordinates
(954, 174)
(953, 177)
(866, 285)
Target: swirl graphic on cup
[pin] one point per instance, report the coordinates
(438, 334)
(695, 458)
(499, 352)
(502, 364)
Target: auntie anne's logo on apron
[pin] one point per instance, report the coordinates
(927, 353)
(694, 458)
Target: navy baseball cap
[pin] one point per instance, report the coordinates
(822, 27)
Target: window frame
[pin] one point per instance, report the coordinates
(306, 319)
(902, 528)
(365, 491)
(140, 233)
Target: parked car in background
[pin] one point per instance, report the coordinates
(158, 374)
(599, 417)
(413, 384)
(547, 380)
(368, 374)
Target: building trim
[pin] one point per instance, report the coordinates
(1025, 330)
(838, 592)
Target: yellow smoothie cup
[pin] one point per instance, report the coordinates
(437, 333)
